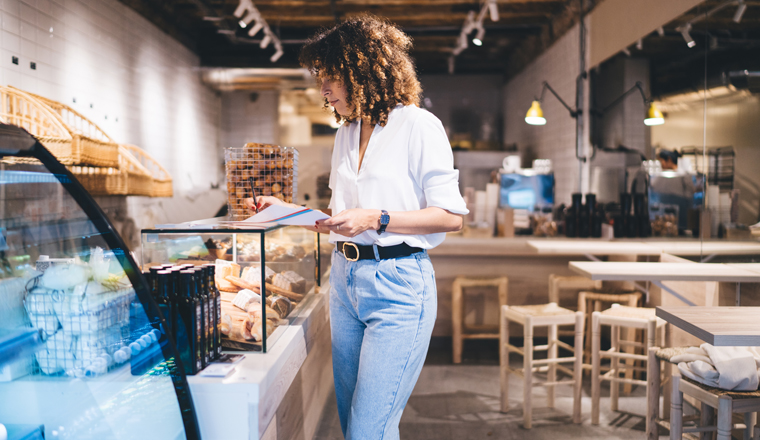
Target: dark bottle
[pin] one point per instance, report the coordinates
(190, 317)
(217, 302)
(584, 219)
(202, 300)
(208, 309)
(163, 282)
(571, 222)
(596, 224)
(175, 295)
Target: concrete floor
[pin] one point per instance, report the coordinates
(461, 402)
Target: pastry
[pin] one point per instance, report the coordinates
(291, 281)
(223, 269)
(244, 298)
(226, 325)
(252, 274)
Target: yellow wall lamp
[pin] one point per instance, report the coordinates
(535, 115)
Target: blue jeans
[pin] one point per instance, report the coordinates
(382, 314)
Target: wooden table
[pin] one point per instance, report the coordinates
(719, 326)
(658, 272)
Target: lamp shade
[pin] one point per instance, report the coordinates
(535, 115)
(654, 116)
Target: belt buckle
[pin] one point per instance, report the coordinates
(356, 248)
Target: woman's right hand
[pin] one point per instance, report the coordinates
(265, 202)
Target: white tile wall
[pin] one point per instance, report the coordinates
(125, 74)
(245, 120)
(559, 66)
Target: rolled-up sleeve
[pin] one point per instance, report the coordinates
(431, 163)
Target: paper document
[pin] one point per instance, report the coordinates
(284, 215)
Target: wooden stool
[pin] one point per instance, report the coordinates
(457, 312)
(592, 302)
(657, 380)
(616, 317)
(726, 402)
(545, 315)
(558, 283)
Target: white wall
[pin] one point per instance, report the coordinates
(733, 123)
(247, 120)
(559, 66)
(137, 83)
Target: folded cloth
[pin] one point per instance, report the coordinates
(728, 368)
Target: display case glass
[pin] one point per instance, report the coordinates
(83, 348)
(288, 254)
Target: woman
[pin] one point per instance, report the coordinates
(668, 159)
(394, 195)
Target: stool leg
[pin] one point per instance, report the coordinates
(653, 394)
(578, 368)
(706, 416)
(456, 321)
(504, 360)
(749, 421)
(676, 410)
(614, 366)
(528, 372)
(667, 374)
(724, 418)
(552, 373)
(587, 330)
(595, 368)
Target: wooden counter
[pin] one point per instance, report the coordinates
(277, 395)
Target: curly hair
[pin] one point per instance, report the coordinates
(370, 56)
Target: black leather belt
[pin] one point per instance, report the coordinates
(355, 252)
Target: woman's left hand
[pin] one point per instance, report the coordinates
(352, 222)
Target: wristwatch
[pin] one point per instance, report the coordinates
(384, 220)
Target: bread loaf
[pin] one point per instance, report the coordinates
(222, 271)
(291, 281)
(252, 274)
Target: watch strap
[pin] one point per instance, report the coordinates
(385, 218)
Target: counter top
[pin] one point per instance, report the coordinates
(241, 405)
(681, 247)
(459, 246)
(630, 271)
(719, 326)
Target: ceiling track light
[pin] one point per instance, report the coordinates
(626, 51)
(687, 36)
(661, 31)
(493, 10)
(741, 7)
(256, 28)
(245, 21)
(640, 44)
(266, 40)
(478, 40)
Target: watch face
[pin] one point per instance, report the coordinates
(385, 219)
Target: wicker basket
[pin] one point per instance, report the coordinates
(161, 179)
(274, 171)
(88, 144)
(139, 180)
(99, 181)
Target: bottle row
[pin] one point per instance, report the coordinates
(192, 307)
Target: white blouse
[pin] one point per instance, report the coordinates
(408, 166)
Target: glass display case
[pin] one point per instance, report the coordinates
(289, 255)
(84, 352)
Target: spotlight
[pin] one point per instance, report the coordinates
(661, 31)
(256, 28)
(240, 10)
(740, 11)
(626, 51)
(686, 36)
(265, 41)
(278, 53)
(654, 116)
(640, 44)
(535, 115)
(478, 40)
(245, 21)
(493, 10)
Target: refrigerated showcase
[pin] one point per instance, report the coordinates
(83, 349)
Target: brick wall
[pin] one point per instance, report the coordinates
(559, 66)
(137, 83)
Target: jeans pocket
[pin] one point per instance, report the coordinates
(408, 273)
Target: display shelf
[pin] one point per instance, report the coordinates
(635, 271)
